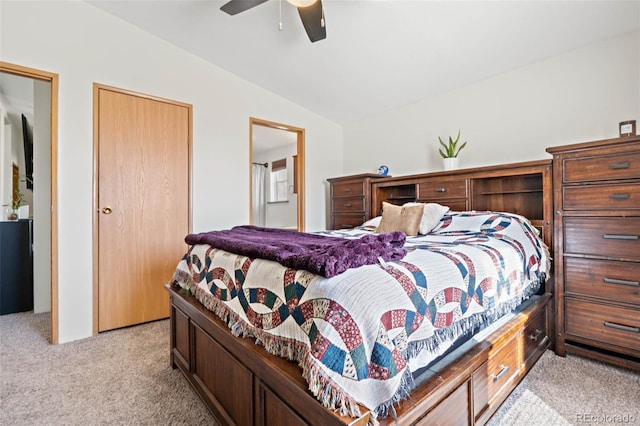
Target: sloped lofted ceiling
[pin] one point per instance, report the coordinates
(16, 93)
(378, 54)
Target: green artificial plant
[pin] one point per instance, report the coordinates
(18, 198)
(451, 149)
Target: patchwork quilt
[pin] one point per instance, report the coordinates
(355, 333)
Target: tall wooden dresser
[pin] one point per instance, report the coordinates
(597, 249)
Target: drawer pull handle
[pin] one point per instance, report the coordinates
(621, 327)
(622, 282)
(615, 166)
(347, 204)
(619, 237)
(619, 196)
(537, 334)
(502, 372)
(440, 190)
(346, 226)
(347, 190)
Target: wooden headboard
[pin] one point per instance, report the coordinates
(523, 188)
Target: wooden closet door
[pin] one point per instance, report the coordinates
(142, 203)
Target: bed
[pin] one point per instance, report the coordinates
(433, 328)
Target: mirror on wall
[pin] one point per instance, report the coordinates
(277, 175)
(16, 153)
(25, 177)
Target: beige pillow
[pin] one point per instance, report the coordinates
(400, 218)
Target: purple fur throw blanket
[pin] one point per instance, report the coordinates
(322, 255)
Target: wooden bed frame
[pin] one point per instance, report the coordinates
(242, 384)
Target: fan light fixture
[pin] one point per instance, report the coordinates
(302, 3)
(311, 14)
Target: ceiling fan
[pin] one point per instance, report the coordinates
(311, 14)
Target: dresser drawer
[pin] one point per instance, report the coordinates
(606, 279)
(492, 380)
(619, 166)
(615, 237)
(432, 191)
(348, 204)
(612, 327)
(347, 189)
(347, 221)
(601, 197)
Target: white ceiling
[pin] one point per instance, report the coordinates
(16, 93)
(268, 138)
(378, 54)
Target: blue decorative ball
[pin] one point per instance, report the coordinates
(383, 170)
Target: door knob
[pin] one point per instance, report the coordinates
(106, 210)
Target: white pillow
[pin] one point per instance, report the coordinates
(372, 223)
(431, 215)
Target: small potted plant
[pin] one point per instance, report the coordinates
(12, 212)
(449, 152)
(16, 203)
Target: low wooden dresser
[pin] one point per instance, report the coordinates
(597, 249)
(350, 195)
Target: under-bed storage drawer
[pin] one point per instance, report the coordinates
(181, 349)
(273, 411)
(613, 327)
(453, 410)
(493, 380)
(224, 377)
(536, 339)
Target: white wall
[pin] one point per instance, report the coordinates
(84, 45)
(579, 96)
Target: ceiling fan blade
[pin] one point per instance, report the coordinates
(236, 6)
(313, 21)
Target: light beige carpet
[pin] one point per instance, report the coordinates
(119, 377)
(572, 390)
(526, 408)
(123, 377)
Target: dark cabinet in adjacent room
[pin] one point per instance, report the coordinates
(16, 266)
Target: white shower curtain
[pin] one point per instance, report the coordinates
(259, 196)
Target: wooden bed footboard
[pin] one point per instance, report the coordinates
(242, 384)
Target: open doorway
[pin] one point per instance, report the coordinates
(276, 164)
(39, 103)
